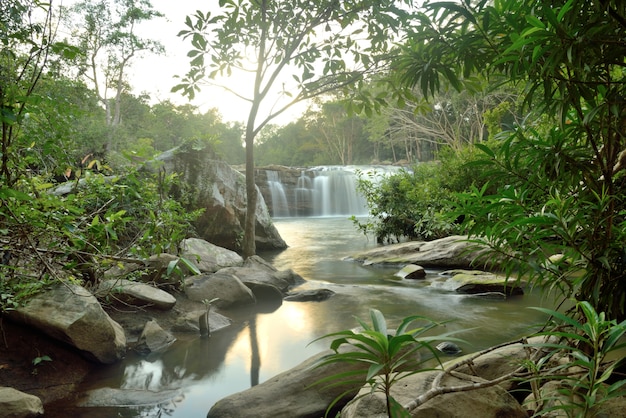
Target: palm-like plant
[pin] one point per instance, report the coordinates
(387, 356)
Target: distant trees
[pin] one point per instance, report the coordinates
(105, 31)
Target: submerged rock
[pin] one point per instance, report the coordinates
(313, 295)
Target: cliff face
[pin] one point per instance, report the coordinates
(221, 191)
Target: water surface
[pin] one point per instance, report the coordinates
(262, 343)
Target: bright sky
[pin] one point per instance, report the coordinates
(155, 74)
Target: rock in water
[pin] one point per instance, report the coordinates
(449, 348)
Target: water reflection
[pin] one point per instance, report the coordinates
(267, 340)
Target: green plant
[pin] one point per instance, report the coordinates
(561, 169)
(585, 371)
(388, 356)
(37, 361)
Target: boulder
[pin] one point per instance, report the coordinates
(266, 293)
(249, 275)
(154, 339)
(227, 287)
(476, 282)
(311, 295)
(69, 313)
(189, 321)
(411, 272)
(16, 404)
(208, 257)
(136, 293)
(492, 401)
(500, 361)
(221, 191)
(291, 394)
(453, 251)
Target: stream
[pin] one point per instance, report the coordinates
(262, 342)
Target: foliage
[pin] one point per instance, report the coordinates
(419, 203)
(562, 167)
(585, 376)
(45, 237)
(391, 355)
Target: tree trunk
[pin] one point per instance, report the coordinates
(249, 246)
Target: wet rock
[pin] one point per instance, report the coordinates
(104, 397)
(411, 272)
(476, 282)
(154, 339)
(16, 404)
(449, 348)
(226, 287)
(220, 190)
(315, 295)
(188, 322)
(136, 293)
(453, 251)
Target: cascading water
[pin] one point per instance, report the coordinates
(336, 193)
(320, 191)
(280, 207)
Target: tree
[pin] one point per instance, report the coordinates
(563, 167)
(106, 34)
(336, 131)
(295, 51)
(26, 44)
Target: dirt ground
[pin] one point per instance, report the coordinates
(60, 376)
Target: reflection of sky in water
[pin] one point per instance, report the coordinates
(208, 370)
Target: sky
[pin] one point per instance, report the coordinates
(155, 74)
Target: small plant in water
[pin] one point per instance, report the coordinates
(388, 357)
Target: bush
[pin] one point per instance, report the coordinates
(45, 237)
(419, 203)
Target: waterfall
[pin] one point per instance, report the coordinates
(280, 208)
(319, 191)
(335, 194)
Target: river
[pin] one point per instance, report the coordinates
(264, 342)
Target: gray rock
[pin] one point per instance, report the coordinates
(208, 257)
(16, 404)
(227, 287)
(491, 401)
(221, 191)
(314, 295)
(448, 348)
(476, 282)
(107, 397)
(136, 293)
(411, 272)
(154, 339)
(188, 322)
(291, 394)
(499, 362)
(453, 251)
(69, 313)
(260, 276)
